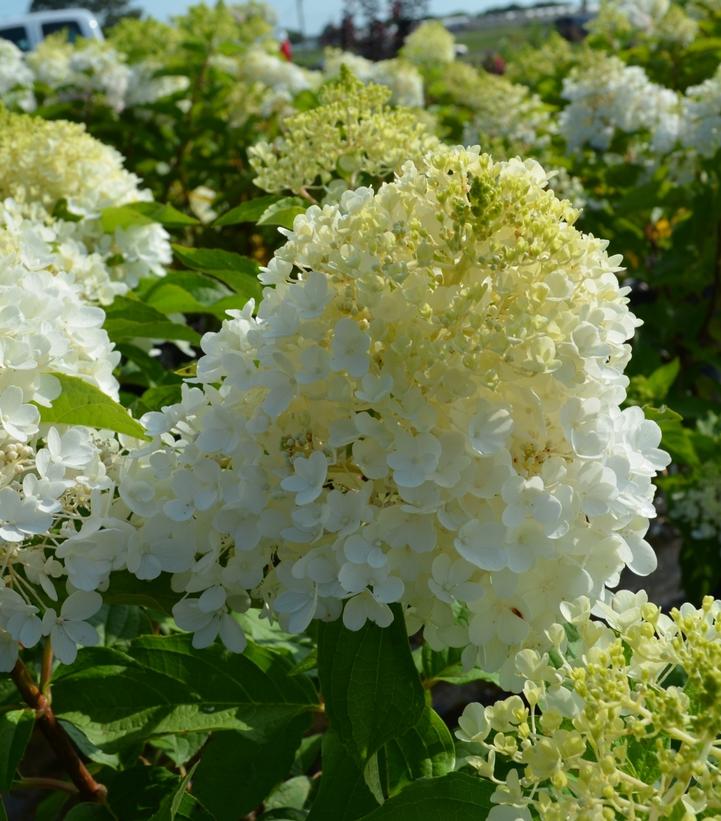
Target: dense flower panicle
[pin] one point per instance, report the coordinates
(607, 97)
(508, 119)
(424, 410)
(53, 479)
(90, 69)
(431, 43)
(626, 20)
(400, 76)
(16, 79)
(625, 721)
(94, 70)
(46, 163)
(352, 134)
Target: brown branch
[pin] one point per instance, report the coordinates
(88, 788)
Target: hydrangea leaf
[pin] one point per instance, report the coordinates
(343, 794)
(162, 685)
(129, 318)
(238, 272)
(250, 211)
(16, 727)
(424, 751)
(263, 764)
(456, 795)
(370, 684)
(83, 404)
(283, 212)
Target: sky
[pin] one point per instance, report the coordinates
(317, 12)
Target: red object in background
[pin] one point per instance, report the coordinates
(286, 50)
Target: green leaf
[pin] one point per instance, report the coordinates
(425, 751)
(160, 396)
(170, 806)
(236, 772)
(129, 318)
(16, 727)
(676, 439)
(291, 793)
(155, 594)
(371, 687)
(121, 216)
(283, 212)
(249, 211)
(162, 685)
(143, 213)
(83, 404)
(343, 794)
(446, 665)
(238, 272)
(180, 748)
(164, 214)
(455, 796)
(88, 812)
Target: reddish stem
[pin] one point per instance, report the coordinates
(58, 739)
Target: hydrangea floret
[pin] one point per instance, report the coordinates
(621, 719)
(353, 134)
(424, 409)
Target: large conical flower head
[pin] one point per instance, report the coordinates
(425, 410)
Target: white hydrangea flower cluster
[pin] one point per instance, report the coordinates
(91, 69)
(401, 77)
(702, 116)
(425, 409)
(508, 117)
(607, 97)
(53, 479)
(16, 79)
(429, 44)
(44, 163)
(623, 721)
(699, 505)
(664, 20)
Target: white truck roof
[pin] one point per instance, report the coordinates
(27, 30)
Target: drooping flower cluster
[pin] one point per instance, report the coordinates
(624, 721)
(53, 479)
(607, 97)
(16, 79)
(352, 135)
(400, 76)
(430, 44)
(50, 168)
(424, 410)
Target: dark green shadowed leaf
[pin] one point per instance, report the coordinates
(16, 727)
(370, 683)
(454, 797)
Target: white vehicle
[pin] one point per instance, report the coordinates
(27, 30)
